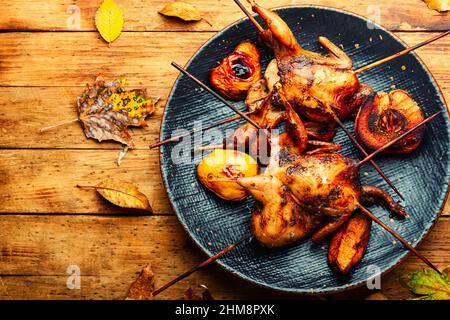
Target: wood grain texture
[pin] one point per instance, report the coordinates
(68, 60)
(143, 15)
(42, 73)
(110, 251)
(44, 181)
(74, 59)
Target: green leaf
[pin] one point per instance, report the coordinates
(428, 284)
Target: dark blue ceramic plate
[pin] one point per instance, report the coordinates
(302, 268)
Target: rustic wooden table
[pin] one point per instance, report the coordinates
(46, 224)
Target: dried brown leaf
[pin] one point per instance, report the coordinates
(109, 20)
(142, 288)
(182, 10)
(106, 110)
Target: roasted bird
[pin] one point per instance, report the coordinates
(315, 85)
(308, 194)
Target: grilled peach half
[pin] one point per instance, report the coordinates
(385, 116)
(348, 244)
(237, 72)
(217, 171)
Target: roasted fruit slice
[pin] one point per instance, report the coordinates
(217, 171)
(348, 244)
(385, 116)
(237, 72)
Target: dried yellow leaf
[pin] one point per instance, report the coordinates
(182, 10)
(439, 5)
(122, 193)
(109, 20)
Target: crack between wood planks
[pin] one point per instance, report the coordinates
(86, 214)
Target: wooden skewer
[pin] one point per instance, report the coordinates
(358, 145)
(401, 53)
(221, 146)
(250, 16)
(177, 138)
(216, 95)
(210, 147)
(393, 141)
(398, 237)
(201, 265)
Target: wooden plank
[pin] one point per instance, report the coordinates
(36, 252)
(74, 59)
(142, 15)
(24, 110)
(43, 181)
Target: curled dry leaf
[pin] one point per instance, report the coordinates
(106, 110)
(182, 10)
(122, 193)
(438, 5)
(189, 294)
(428, 284)
(142, 288)
(109, 20)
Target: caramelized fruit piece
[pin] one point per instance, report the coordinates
(348, 244)
(271, 74)
(237, 72)
(257, 95)
(217, 170)
(385, 116)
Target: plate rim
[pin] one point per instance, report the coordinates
(239, 274)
